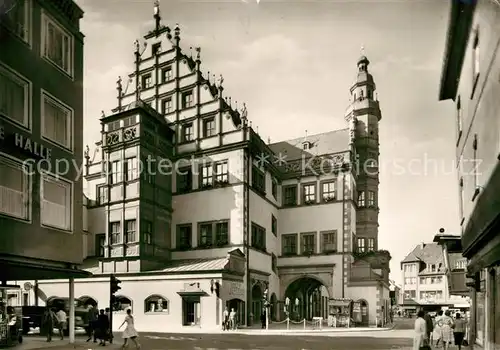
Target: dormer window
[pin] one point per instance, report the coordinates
(306, 145)
(155, 49)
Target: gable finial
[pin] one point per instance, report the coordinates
(362, 49)
(220, 81)
(157, 16)
(244, 111)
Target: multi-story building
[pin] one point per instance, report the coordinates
(424, 279)
(470, 78)
(395, 293)
(193, 211)
(41, 121)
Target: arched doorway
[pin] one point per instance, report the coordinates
(274, 307)
(308, 298)
(257, 295)
(86, 301)
(239, 307)
(360, 312)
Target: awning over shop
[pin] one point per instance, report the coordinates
(12, 270)
(410, 303)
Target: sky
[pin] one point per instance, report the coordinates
(293, 63)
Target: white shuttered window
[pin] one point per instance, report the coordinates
(14, 189)
(56, 202)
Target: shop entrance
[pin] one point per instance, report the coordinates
(191, 311)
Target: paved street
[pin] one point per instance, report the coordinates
(249, 339)
(232, 341)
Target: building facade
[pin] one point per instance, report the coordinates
(395, 294)
(425, 283)
(41, 122)
(194, 212)
(470, 78)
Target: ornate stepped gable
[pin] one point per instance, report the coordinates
(208, 81)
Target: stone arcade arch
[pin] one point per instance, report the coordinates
(239, 307)
(257, 305)
(364, 312)
(308, 298)
(86, 301)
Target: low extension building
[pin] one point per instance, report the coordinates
(194, 212)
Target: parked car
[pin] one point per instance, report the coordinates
(81, 311)
(32, 318)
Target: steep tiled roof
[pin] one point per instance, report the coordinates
(325, 143)
(193, 265)
(429, 253)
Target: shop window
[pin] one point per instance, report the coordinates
(122, 303)
(156, 303)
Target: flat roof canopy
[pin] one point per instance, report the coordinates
(16, 270)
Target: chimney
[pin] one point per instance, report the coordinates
(422, 245)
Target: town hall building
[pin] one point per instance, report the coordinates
(194, 212)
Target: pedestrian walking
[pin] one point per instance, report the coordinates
(437, 327)
(61, 322)
(429, 326)
(49, 320)
(446, 324)
(459, 329)
(225, 325)
(102, 328)
(420, 336)
(129, 332)
(232, 319)
(263, 318)
(92, 316)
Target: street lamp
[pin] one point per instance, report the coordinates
(287, 305)
(297, 302)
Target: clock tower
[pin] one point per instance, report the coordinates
(364, 115)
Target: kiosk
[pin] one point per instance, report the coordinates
(10, 320)
(339, 312)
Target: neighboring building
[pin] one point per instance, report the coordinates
(455, 264)
(424, 279)
(239, 216)
(470, 78)
(41, 122)
(395, 293)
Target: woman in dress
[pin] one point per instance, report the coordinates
(446, 324)
(437, 327)
(420, 336)
(129, 332)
